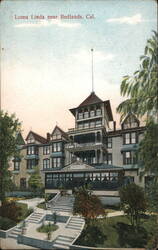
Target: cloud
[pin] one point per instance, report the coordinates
(127, 20)
(46, 23)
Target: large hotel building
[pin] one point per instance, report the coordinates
(90, 153)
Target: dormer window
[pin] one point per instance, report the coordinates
(56, 137)
(31, 140)
(130, 122)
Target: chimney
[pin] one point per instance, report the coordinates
(48, 137)
(114, 123)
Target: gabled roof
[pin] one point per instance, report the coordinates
(130, 115)
(37, 137)
(94, 99)
(64, 134)
(91, 99)
(19, 139)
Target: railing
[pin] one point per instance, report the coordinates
(94, 185)
(80, 129)
(77, 145)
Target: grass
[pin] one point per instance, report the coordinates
(47, 228)
(42, 205)
(116, 232)
(25, 212)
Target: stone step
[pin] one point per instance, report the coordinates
(60, 246)
(66, 238)
(73, 227)
(76, 222)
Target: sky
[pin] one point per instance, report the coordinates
(46, 64)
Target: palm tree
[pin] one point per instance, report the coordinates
(142, 87)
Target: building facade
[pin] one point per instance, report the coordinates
(90, 153)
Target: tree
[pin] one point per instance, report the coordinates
(35, 180)
(148, 150)
(133, 202)
(142, 87)
(9, 126)
(88, 205)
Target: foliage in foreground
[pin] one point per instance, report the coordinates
(35, 181)
(148, 149)
(133, 202)
(87, 205)
(9, 126)
(117, 232)
(141, 88)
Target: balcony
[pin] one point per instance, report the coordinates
(31, 157)
(84, 146)
(57, 154)
(78, 130)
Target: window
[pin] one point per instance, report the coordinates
(130, 122)
(32, 150)
(133, 137)
(130, 138)
(56, 162)
(86, 125)
(30, 140)
(16, 165)
(127, 138)
(56, 136)
(109, 159)
(127, 158)
(98, 123)
(31, 163)
(80, 125)
(92, 124)
(57, 147)
(46, 150)
(109, 142)
(46, 163)
(23, 183)
(80, 116)
(92, 113)
(130, 157)
(98, 112)
(86, 114)
(49, 179)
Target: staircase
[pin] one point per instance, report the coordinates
(35, 218)
(14, 234)
(63, 204)
(75, 223)
(62, 242)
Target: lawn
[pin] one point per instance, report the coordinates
(46, 228)
(116, 232)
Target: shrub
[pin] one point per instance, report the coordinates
(6, 223)
(11, 210)
(47, 228)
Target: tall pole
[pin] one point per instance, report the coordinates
(92, 73)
